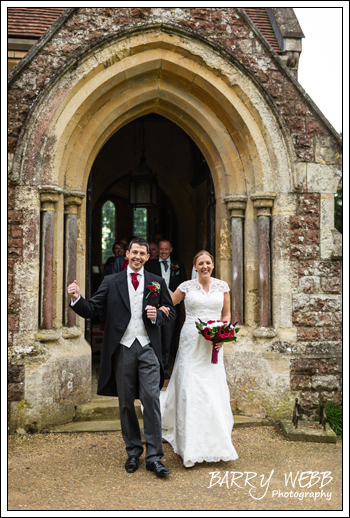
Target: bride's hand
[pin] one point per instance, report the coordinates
(165, 310)
(218, 345)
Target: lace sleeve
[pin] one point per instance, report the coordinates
(225, 287)
(183, 287)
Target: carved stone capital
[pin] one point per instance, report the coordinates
(71, 204)
(263, 202)
(236, 204)
(48, 200)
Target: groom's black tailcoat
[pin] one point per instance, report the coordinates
(112, 300)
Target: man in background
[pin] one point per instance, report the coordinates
(174, 273)
(153, 251)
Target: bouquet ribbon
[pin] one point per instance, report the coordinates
(214, 354)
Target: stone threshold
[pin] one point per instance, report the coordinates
(114, 425)
(308, 431)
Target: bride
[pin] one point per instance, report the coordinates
(196, 413)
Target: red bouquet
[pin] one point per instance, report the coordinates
(217, 331)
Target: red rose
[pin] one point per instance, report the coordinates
(231, 335)
(211, 321)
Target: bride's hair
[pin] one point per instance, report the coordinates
(202, 252)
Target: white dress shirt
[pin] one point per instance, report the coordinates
(166, 273)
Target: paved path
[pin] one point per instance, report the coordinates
(85, 471)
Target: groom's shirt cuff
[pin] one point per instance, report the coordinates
(72, 302)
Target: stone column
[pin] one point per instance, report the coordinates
(264, 203)
(71, 204)
(48, 201)
(236, 204)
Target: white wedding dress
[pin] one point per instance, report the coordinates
(196, 414)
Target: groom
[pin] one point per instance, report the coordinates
(131, 358)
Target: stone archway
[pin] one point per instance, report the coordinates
(189, 82)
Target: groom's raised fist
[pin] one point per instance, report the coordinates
(73, 290)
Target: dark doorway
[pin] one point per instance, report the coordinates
(185, 212)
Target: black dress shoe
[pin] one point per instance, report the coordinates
(132, 464)
(159, 469)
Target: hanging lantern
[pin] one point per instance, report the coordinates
(142, 186)
(142, 181)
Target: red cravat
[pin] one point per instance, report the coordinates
(134, 280)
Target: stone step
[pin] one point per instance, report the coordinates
(113, 425)
(90, 426)
(242, 421)
(102, 409)
(107, 409)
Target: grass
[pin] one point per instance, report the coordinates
(334, 414)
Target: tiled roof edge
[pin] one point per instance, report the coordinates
(39, 44)
(258, 26)
(289, 74)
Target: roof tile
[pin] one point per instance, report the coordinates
(31, 22)
(261, 19)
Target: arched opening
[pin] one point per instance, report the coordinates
(185, 200)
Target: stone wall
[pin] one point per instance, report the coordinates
(317, 305)
(15, 382)
(15, 252)
(314, 378)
